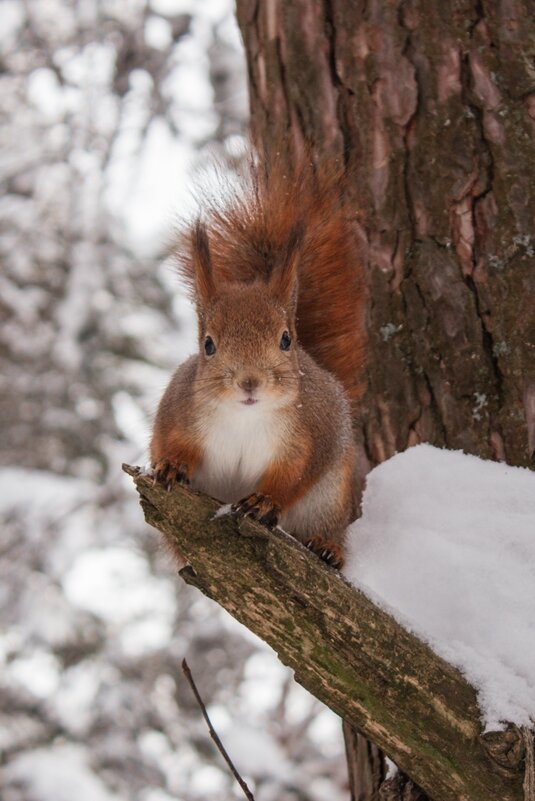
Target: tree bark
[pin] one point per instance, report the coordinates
(432, 108)
(365, 765)
(346, 651)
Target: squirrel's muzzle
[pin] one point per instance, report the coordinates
(249, 383)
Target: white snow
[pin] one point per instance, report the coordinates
(59, 773)
(263, 677)
(116, 585)
(256, 753)
(223, 510)
(50, 494)
(100, 158)
(158, 33)
(75, 699)
(45, 92)
(38, 672)
(446, 544)
(12, 20)
(163, 167)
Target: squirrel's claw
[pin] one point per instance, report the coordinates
(169, 473)
(327, 550)
(259, 507)
(271, 518)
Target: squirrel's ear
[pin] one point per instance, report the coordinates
(283, 279)
(204, 280)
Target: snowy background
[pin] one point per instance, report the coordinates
(109, 109)
(110, 112)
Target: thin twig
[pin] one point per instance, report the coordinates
(213, 733)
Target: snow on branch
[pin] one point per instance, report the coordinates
(344, 649)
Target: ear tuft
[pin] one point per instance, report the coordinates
(283, 279)
(203, 263)
(295, 240)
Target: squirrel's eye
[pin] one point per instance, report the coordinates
(286, 341)
(209, 346)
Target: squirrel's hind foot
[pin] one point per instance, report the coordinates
(170, 473)
(327, 550)
(259, 507)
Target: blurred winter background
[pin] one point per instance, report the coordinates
(109, 109)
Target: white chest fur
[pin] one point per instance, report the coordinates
(239, 443)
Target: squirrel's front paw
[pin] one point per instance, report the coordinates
(327, 550)
(259, 507)
(169, 473)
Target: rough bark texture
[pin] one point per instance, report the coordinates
(365, 764)
(343, 649)
(432, 107)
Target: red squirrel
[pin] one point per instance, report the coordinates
(261, 416)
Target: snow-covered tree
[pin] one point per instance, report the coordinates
(108, 109)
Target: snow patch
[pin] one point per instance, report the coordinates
(446, 543)
(222, 511)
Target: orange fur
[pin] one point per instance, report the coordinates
(347, 490)
(174, 447)
(202, 262)
(274, 221)
(286, 480)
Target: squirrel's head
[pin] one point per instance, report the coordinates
(247, 333)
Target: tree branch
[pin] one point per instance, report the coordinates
(346, 651)
(213, 734)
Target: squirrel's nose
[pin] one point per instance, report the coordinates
(248, 383)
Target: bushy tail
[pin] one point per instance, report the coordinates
(250, 226)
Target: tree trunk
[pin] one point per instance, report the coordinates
(432, 107)
(365, 765)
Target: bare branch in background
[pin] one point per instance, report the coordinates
(213, 734)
